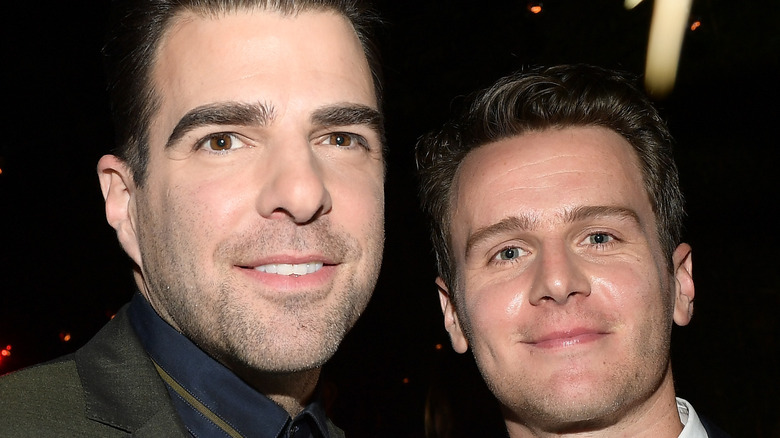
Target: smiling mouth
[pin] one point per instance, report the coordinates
(290, 269)
(564, 340)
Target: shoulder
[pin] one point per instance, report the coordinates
(333, 431)
(107, 388)
(40, 384)
(44, 400)
(713, 431)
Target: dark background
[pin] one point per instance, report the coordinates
(62, 271)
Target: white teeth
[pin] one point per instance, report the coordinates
(290, 269)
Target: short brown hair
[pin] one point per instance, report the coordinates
(540, 99)
(136, 28)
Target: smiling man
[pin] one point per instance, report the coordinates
(557, 225)
(248, 192)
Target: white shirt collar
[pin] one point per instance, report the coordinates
(692, 427)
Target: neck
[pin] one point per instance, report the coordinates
(292, 391)
(655, 417)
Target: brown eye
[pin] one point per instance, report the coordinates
(340, 139)
(220, 142)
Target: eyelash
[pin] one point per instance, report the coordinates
(201, 144)
(613, 239)
(497, 259)
(361, 141)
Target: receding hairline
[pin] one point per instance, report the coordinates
(458, 170)
(190, 13)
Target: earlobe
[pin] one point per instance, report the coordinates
(684, 289)
(118, 187)
(451, 323)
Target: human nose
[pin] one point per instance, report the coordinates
(294, 186)
(558, 275)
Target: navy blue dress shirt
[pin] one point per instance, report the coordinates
(194, 378)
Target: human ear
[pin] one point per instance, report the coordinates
(459, 342)
(683, 284)
(116, 182)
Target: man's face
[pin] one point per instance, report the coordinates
(563, 293)
(260, 227)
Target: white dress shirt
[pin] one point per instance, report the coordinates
(692, 427)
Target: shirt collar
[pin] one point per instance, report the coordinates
(243, 408)
(692, 425)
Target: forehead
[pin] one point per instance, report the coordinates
(547, 173)
(291, 61)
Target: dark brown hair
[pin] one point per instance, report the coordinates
(546, 98)
(136, 28)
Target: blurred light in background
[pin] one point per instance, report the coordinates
(631, 4)
(667, 29)
(535, 7)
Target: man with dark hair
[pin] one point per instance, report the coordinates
(557, 221)
(247, 189)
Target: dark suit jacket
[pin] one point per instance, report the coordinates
(713, 431)
(108, 388)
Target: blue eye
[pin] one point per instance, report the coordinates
(509, 253)
(599, 238)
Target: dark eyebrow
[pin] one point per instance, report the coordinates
(222, 113)
(588, 212)
(349, 114)
(507, 224)
(527, 222)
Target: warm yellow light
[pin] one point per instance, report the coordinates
(65, 336)
(695, 25)
(535, 9)
(631, 4)
(667, 29)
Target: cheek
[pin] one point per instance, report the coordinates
(358, 200)
(630, 291)
(213, 201)
(493, 311)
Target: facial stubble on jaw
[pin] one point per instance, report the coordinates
(559, 417)
(227, 329)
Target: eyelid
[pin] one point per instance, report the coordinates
(613, 238)
(496, 257)
(359, 139)
(239, 140)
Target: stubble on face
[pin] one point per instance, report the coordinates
(578, 393)
(238, 326)
(200, 218)
(535, 403)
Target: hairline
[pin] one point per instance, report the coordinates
(188, 13)
(446, 225)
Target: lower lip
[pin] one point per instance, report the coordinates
(568, 341)
(292, 283)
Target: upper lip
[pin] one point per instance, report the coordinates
(564, 334)
(290, 259)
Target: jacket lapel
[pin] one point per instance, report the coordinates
(121, 386)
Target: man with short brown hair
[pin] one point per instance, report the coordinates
(248, 192)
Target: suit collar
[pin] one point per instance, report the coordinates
(136, 402)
